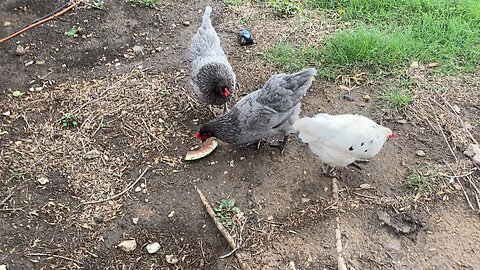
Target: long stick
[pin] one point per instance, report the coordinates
(226, 235)
(338, 232)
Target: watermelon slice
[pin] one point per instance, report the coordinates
(207, 148)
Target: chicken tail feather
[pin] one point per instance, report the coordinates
(207, 23)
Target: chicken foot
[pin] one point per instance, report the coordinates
(329, 171)
(258, 143)
(280, 144)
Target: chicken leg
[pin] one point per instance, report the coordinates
(280, 144)
(225, 108)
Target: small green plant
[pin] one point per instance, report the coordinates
(246, 19)
(419, 182)
(225, 212)
(17, 93)
(14, 174)
(286, 8)
(145, 3)
(397, 98)
(234, 2)
(69, 120)
(99, 4)
(73, 32)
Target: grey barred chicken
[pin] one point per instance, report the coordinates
(264, 113)
(212, 76)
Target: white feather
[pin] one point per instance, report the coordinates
(339, 140)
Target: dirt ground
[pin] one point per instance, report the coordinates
(125, 79)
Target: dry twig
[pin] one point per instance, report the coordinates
(121, 193)
(6, 199)
(441, 131)
(54, 256)
(338, 232)
(460, 183)
(226, 235)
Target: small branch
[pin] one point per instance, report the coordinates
(121, 193)
(226, 235)
(211, 213)
(6, 199)
(338, 232)
(365, 196)
(443, 133)
(54, 256)
(459, 119)
(460, 183)
(11, 209)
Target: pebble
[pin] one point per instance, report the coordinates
(138, 189)
(135, 220)
(127, 245)
(473, 152)
(392, 244)
(349, 97)
(92, 154)
(171, 214)
(402, 121)
(365, 186)
(186, 23)
(6, 113)
(43, 180)
(171, 259)
(29, 63)
(20, 50)
(153, 247)
(7, 24)
(420, 153)
(414, 65)
(137, 49)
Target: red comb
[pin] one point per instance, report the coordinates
(227, 92)
(393, 136)
(198, 136)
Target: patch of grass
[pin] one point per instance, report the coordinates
(73, 32)
(69, 120)
(291, 58)
(397, 98)
(99, 4)
(420, 182)
(366, 48)
(246, 19)
(392, 33)
(225, 212)
(14, 174)
(286, 8)
(234, 2)
(145, 3)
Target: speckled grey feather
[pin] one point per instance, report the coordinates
(264, 113)
(209, 66)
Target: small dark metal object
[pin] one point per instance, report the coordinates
(246, 37)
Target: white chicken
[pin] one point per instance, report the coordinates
(340, 140)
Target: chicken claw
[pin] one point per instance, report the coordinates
(280, 144)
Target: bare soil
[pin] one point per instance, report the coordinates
(135, 112)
